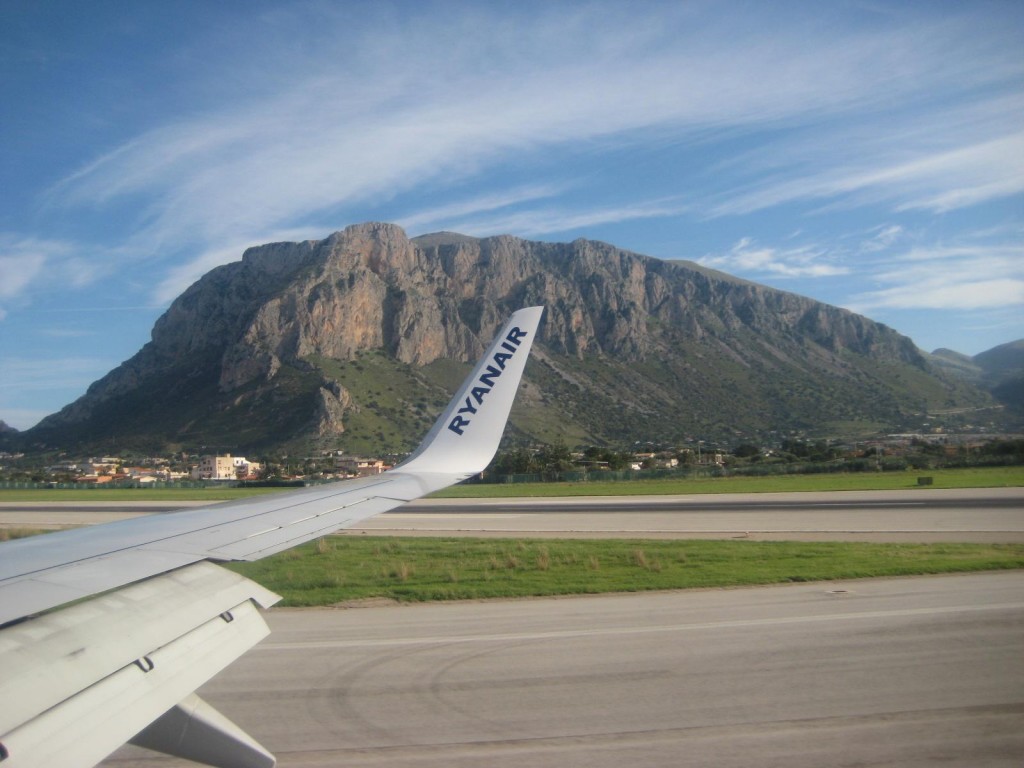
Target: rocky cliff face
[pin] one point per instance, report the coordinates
(274, 347)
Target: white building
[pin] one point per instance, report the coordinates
(224, 468)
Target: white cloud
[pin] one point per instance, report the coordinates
(22, 261)
(964, 153)
(939, 182)
(28, 261)
(484, 203)
(551, 219)
(29, 264)
(970, 277)
(882, 238)
(748, 258)
(17, 271)
(369, 118)
(942, 294)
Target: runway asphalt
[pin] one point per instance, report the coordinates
(894, 672)
(972, 515)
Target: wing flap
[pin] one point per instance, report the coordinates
(196, 731)
(97, 673)
(79, 580)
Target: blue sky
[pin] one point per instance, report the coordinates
(866, 154)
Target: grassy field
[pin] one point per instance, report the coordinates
(984, 477)
(131, 494)
(338, 569)
(981, 477)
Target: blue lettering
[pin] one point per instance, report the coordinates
(456, 425)
(515, 336)
(487, 378)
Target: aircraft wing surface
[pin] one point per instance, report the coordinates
(79, 681)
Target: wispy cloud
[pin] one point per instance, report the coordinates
(748, 258)
(882, 238)
(532, 222)
(938, 182)
(26, 261)
(441, 215)
(30, 264)
(385, 113)
(22, 260)
(970, 277)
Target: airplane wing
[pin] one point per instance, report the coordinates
(80, 680)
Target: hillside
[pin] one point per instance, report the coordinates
(1002, 370)
(354, 342)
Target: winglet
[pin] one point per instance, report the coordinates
(465, 437)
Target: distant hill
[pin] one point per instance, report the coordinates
(1001, 361)
(355, 341)
(957, 364)
(8, 436)
(1002, 370)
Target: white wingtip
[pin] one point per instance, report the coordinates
(465, 437)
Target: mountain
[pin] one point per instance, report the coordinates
(999, 371)
(1004, 360)
(1002, 374)
(354, 342)
(957, 364)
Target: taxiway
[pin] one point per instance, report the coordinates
(909, 672)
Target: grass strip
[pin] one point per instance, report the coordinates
(339, 569)
(980, 477)
(974, 477)
(129, 495)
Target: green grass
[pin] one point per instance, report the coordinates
(344, 568)
(131, 494)
(982, 477)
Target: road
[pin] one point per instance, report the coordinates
(975, 515)
(892, 672)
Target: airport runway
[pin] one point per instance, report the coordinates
(977, 515)
(973, 515)
(894, 672)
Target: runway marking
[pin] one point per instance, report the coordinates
(654, 629)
